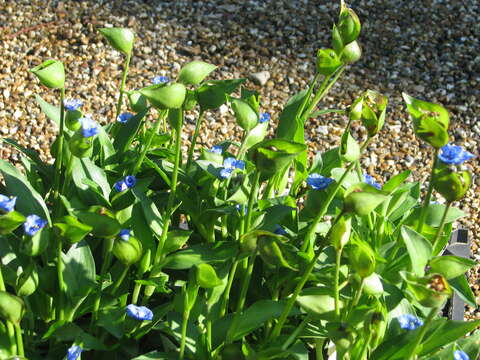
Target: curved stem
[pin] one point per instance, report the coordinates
(186, 315)
(438, 235)
(358, 295)
(61, 285)
(122, 85)
(194, 139)
(251, 198)
(426, 202)
(421, 334)
(18, 334)
(295, 332)
(120, 279)
(136, 293)
(338, 258)
(59, 157)
(308, 95)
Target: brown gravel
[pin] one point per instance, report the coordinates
(429, 51)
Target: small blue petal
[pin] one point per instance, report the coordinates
(124, 117)
(74, 352)
(460, 355)
(160, 80)
(72, 104)
(217, 149)
(240, 164)
(7, 203)
(409, 322)
(370, 180)
(33, 224)
(229, 163)
(89, 127)
(124, 234)
(139, 312)
(454, 155)
(264, 117)
(120, 186)
(225, 173)
(130, 180)
(280, 230)
(318, 182)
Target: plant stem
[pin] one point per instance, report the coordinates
(363, 354)
(59, 157)
(319, 348)
(194, 138)
(308, 95)
(122, 85)
(61, 285)
(438, 235)
(426, 202)
(145, 149)
(18, 334)
(136, 293)
(295, 332)
(421, 334)
(338, 258)
(251, 198)
(186, 315)
(120, 279)
(226, 293)
(358, 295)
(10, 328)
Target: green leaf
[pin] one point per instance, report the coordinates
(213, 93)
(151, 212)
(79, 270)
(127, 132)
(175, 240)
(462, 288)
(194, 72)
(52, 112)
(450, 266)
(201, 253)
(435, 213)
(155, 355)
(396, 181)
(29, 200)
(289, 126)
(159, 282)
(349, 148)
(419, 249)
(64, 331)
(316, 301)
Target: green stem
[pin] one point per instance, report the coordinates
(66, 181)
(241, 150)
(226, 293)
(122, 85)
(120, 279)
(338, 258)
(426, 202)
(295, 332)
(194, 139)
(358, 295)
(308, 95)
(438, 235)
(208, 325)
(10, 328)
(251, 198)
(319, 348)
(186, 315)
(59, 158)
(421, 334)
(136, 293)
(363, 354)
(18, 334)
(61, 285)
(146, 147)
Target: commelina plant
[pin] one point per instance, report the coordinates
(125, 248)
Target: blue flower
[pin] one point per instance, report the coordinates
(33, 224)
(89, 127)
(126, 183)
(460, 355)
(72, 104)
(124, 234)
(124, 117)
(7, 203)
(318, 182)
(280, 230)
(230, 164)
(160, 80)
(453, 154)
(74, 352)
(139, 312)
(264, 117)
(409, 322)
(225, 173)
(370, 180)
(217, 149)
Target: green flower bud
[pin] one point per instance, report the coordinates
(195, 72)
(348, 25)
(36, 244)
(102, 221)
(27, 282)
(205, 276)
(340, 232)
(361, 199)
(452, 185)
(138, 102)
(370, 108)
(430, 121)
(327, 61)
(128, 251)
(71, 230)
(165, 96)
(430, 291)
(246, 117)
(362, 259)
(12, 307)
(79, 145)
(351, 53)
(372, 285)
(269, 248)
(121, 39)
(71, 119)
(337, 42)
(271, 156)
(10, 221)
(144, 265)
(51, 74)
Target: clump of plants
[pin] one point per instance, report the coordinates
(126, 248)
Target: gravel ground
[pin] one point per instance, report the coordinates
(429, 51)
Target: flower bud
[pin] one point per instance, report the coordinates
(452, 185)
(372, 285)
(27, 282)
(128, 251)
(361, 199)
(348, 25)
(195, 72)
(327, 61)
(430, 291)
(72, 118)
(144, 265)
(10, 221)
(370, 108)
(430, 121)
(121, 39)
(138, 102)
(102, 221)
(165, 96)
(362, 259)
(340, 232)
(51, 74)
(12, 307)
(351, 53)
(71, 230)
(205, 276)
(246, 117)
(80, 146)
